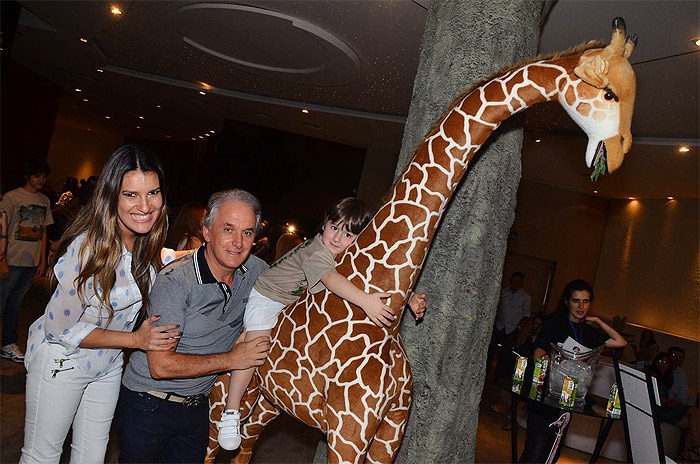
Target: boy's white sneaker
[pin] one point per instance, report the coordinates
(230, 429)
(12, 352)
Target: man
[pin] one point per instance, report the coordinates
(679, 389)
(23, 253)
(513, 314)
(163, 411)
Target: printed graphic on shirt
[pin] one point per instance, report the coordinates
(30, 227)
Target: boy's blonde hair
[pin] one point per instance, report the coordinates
(353, 213)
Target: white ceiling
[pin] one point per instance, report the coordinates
(352, 65)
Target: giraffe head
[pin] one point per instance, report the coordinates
(601, 103)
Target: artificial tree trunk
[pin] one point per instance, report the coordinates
(464, 41)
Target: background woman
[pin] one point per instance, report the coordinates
(186, 231)
(107, 262)
(647, 349)
(570, 320)
(673, 412)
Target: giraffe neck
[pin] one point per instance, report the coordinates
(389, 253)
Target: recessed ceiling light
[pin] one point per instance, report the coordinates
(670, 198)
(194, 138)
(107, 117)
(201, 136)
(100, 70)
(684, 149)
(595, 191)
(83, 40)
(138, 127)
(212, 132)
(201, 92)
(157, 106)
(85, 99)
(115, 10)
(167, 137)
(78, 90)
(538, 140)
(305, 111)
(207, 135)
(140, 117)
(631, 198)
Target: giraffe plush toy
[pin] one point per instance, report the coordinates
(329, 365)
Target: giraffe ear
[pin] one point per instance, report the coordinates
(594, 71)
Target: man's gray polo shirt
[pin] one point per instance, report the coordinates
(209, 314)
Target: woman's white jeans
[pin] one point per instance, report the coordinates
(58, 396)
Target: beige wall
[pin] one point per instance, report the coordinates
(560, 226)
(649, 268)
(77, 152)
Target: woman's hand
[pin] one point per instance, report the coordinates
(590, 320)
(156, 337)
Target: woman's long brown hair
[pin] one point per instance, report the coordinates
(101, 251)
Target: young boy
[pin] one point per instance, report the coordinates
(23, 252)
(310, 266)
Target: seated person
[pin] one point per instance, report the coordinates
(673, 411)
(570, 320)
(644, 354)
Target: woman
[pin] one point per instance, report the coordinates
(647, 349)
(107, 262)
(186, 231)
(674, 413)
(570, 320)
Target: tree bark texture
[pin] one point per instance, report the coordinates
(464, 41)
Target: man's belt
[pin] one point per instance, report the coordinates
(186, 401)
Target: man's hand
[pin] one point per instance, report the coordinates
(377, 310)
(4, 270)
(245, 354)
(40, 269)
(417, 304)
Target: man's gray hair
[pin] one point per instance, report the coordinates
(239, 195)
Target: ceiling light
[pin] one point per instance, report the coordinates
(140, 117)
(201, 92)
(212, 132)
(204, 85)
(83, 40)
(78, 90)
(157, 106)
(194, 138)
(305, 111)
(670, 198)
(114, 9)
(201, 136)
(207, 135)
(631, 198)
(107, 117)
(85, 99)
(538, 140)
(100, 70)
(697, 41)
(684, 149)
(595, 191)
(138, 127)
(291, 228)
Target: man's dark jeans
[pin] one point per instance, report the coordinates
(153, 430)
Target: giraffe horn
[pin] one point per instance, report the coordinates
(629, 46)
(617, 43)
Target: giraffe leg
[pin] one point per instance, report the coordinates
(262, 414)
(388, 437)
(217, 402)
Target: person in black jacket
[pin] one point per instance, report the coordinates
(570, 320)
